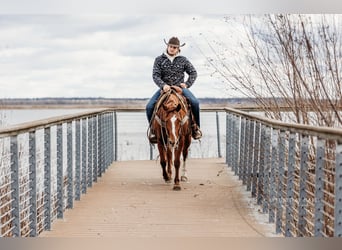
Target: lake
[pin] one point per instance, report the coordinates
(132, 131)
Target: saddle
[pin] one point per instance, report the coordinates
(170, 101)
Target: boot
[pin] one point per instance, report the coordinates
(152, 137)
(196, 132)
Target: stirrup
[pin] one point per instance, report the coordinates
(152, 137)
(196, 133)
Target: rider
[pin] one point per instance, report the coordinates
(168, 70)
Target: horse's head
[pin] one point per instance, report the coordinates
(173, 128)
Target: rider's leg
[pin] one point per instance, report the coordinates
(149, 113)
(150, 106)
(194, 105)
(197, 134)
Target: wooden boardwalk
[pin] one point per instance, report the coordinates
(131, 199)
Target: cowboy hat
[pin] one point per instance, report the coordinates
(174, 41)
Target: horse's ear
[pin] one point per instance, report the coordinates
(179, 107)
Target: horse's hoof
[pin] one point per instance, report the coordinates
(184, 178)
(167, 181)
(177, 188)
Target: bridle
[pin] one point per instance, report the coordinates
(180, 131)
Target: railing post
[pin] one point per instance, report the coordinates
(70, 186)
(84, 157)
(104, 139)
(290, 186)
(151, 151)
(78, 161)
(246, 150)
(218, 135)
(107, 140)
(111, 137)
(250, 154)
(47, 178)
(228, 134)
(302, 204)
(274, 173)
(234, 144)
(280, 186)
(319, 187)
(261, 172)
(90, 153)
(338, 192)
(100, 145)
(242, 148)
(237, 143)
(115, 137)
(267, 167)
(255, 168)
(15, 186)
(105, 116)
(33, 184)
(60, 174)
(95, 153)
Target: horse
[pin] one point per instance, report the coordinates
(172, 126)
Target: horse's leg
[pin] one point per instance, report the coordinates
(184, 176)
(169, 157)
(177, 186)
(162, 154)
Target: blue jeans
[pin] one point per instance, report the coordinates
(187, 93)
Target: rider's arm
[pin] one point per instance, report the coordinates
(191, 71)
(156, 74)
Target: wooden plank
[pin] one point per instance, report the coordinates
(132, 199)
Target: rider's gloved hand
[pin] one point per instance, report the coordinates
(166, 88)
(183, 85)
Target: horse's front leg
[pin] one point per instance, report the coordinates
(177, 186)
(163, 162)
(169, 157)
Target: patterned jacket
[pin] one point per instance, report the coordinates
(172, 73)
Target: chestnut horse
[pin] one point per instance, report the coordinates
(172, 126)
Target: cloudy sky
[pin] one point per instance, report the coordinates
(103, 55)
(85, 48)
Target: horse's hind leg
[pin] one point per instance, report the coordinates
(184, 176)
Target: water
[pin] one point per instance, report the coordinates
(133, 143)
(132, 132)
(17, 116)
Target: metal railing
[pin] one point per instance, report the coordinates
(46, 165)
(293, 171)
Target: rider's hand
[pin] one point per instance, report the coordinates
(183, 85)
(166, 88)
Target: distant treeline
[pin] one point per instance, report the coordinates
(108, 101)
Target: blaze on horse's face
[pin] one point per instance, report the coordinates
(173, 128)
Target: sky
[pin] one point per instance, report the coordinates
(85, 48)
(104, 55)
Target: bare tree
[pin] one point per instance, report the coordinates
(292, 61)
(289, 60)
